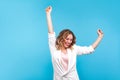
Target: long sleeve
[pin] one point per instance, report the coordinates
(83, 49)
(51, 41)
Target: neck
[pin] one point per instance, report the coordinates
(64, 50)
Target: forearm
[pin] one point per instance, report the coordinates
(96, 43)
(49, 22)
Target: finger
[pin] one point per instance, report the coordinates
(98, 30)
(50, 7)
(101, 31)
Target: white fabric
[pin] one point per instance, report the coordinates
(59, 72)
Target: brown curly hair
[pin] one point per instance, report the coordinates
(62, 36)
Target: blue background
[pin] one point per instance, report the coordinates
(24, 51)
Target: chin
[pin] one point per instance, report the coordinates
(67, 46)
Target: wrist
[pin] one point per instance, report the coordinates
(48, 13)
(100, 37)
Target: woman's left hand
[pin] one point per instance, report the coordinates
(100, 33)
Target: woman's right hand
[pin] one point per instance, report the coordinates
(48, 9)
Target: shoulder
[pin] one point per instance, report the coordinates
(76, 46)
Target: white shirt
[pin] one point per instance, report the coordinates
(60, 73)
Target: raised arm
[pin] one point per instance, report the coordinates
(98, 40)
(49, 20)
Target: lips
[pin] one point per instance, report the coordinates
(67, 44)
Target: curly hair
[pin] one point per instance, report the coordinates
(62, 36)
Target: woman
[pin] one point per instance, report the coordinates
(64, 50)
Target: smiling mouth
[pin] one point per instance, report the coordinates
(67, 45)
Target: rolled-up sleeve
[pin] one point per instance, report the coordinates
(83, 49)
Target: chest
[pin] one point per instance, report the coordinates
(70, 56)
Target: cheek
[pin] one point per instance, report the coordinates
(65, 41)
(68, 42)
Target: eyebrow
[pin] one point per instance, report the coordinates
(69, 38)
